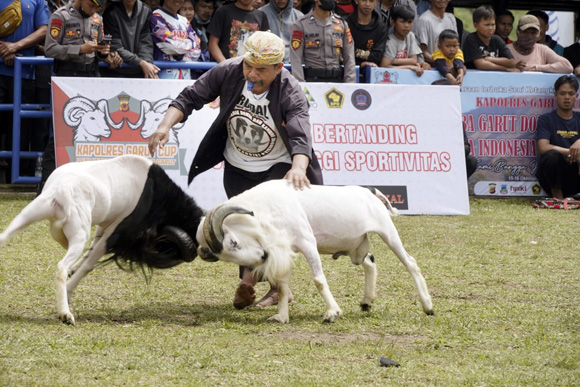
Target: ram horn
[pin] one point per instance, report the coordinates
(186, 245)
(213, 231)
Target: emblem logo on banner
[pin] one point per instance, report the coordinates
(101, 129)
(386, 77)
(310, 98)
(361, 99)
(334, 99)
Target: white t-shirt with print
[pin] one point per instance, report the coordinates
(254, 141)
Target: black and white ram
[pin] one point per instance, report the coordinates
(265, 226)
(143, 218)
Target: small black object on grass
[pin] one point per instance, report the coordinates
(384, 362)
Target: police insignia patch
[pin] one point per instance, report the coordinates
(296, 39)
(296, 43)
(55, 26)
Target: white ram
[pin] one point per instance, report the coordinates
(264, 227)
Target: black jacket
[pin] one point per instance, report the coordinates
(131, 35)
(288, 108)
(369, 40)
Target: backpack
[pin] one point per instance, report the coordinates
(10, 18)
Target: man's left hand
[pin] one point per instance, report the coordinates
(298, 178)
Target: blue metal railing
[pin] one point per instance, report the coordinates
(21, 110)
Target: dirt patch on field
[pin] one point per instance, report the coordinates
(347, 338)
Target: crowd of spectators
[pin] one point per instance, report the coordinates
(386, 33)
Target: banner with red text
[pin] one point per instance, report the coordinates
(500, 113)
(362, 135)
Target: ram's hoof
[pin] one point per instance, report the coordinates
(278, 318)
(365, 307)
(67, 318)
(330, 316)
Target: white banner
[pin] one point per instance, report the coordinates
(405, 140)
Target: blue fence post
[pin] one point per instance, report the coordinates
(17, 101)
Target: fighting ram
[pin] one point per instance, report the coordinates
(265, 226)
(143, 218)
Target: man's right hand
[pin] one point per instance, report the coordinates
(90, 47)
(158, 139)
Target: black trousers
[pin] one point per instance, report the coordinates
(237, 181)
(554, 171)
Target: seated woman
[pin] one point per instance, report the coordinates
(531, 56)
(174, 39)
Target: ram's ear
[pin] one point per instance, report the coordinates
(230, 242)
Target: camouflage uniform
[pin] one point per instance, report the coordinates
(322, 45)
(67, 31)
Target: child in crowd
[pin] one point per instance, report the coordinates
(430, 25)
(504, 25)
(448, 58)
(402, 47)
(230, 27)
(174, 39)
(483, 49)
(369, 33)
(187, 10)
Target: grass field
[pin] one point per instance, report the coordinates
(504, 281)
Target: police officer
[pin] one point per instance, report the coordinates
(72, 39)
(75, 39)
(322, 41)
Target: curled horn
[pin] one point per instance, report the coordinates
(145, 108)
(213, 231)
(75, 109)
(186, 245)
(103, 106)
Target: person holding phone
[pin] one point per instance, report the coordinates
(76, 42)
(75, 39)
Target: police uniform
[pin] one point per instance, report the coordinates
(322, 46)
(67, 31)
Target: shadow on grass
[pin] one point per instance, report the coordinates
(187, 315)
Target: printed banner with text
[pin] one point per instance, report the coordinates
(500, 113)
(362, 134)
